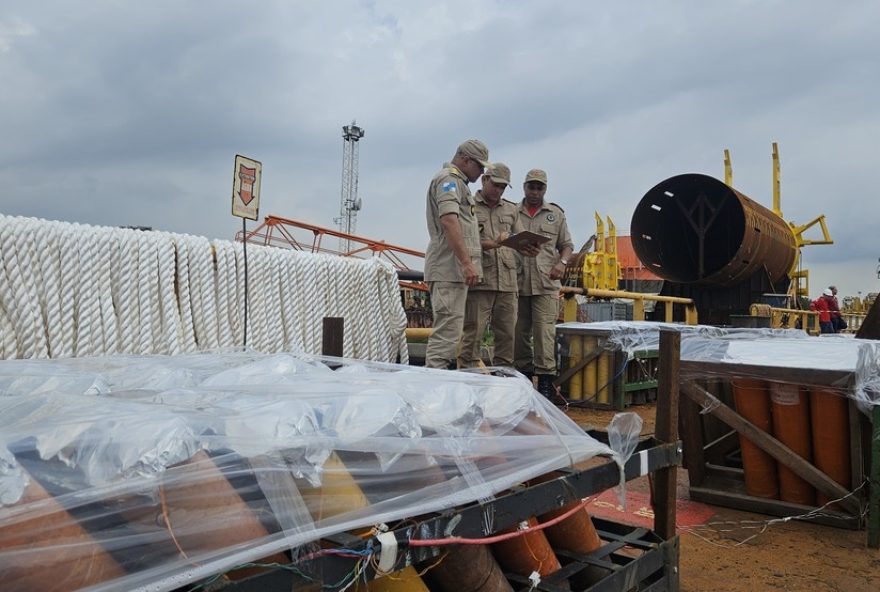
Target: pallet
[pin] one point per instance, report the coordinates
(631, 554)
(711, 441)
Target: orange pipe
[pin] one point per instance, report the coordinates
(466, 568)
(206, 513)
(54, 552)
(791, 426)
(829, 415)
(575, 534)
(752, 401)
(527, 553)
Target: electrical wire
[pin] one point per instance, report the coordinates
(497, 538)
(762, 526)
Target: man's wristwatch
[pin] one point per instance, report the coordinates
(563, 261)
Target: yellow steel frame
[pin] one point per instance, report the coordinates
(600, 268)
(569, 308)
(800, 284)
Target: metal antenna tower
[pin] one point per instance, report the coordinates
(349, 203)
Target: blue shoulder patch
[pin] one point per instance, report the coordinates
(448, 186)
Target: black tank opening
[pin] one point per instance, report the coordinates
(688, 227)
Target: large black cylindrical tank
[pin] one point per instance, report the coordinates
(693, 229)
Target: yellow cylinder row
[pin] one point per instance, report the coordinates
(592, 381)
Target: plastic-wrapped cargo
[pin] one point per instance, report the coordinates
(747, 351)
(798, 408)
(153, 472)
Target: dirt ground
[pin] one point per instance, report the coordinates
(743, 552)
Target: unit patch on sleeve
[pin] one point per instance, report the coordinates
(448, 187)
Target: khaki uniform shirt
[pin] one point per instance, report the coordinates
(499, 265)
(534, 277)
(448, 193)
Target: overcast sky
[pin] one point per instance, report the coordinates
(131, 113)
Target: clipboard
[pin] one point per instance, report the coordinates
(521, 239)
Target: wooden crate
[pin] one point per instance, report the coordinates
(619, 380)
(711, 428)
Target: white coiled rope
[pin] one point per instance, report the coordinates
(107, 245)
(225, 263)
(68, 257)
(290, 279)
(171, 330)
(19, 305)
(144, 342)
(76, 290)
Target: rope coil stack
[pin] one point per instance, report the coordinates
(72, 290)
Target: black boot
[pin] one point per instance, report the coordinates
(546, 386)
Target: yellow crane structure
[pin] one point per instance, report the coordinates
(800, 277)
(595, 272)
(795, 314)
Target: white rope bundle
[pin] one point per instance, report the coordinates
(76, 290)
(170, 333)
(184, 298)
(126, 304)
(225, 289)
(107, 245)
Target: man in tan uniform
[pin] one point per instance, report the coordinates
(452, 259)
(538, 305)
(495, 296)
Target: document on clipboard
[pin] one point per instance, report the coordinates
(521, 239)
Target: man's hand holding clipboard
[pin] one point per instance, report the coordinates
(526, 242)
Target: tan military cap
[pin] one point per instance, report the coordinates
(536, 175)
(499, 173)
(476, 150)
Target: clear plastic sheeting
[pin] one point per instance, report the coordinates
(135, 472)
(736, 348)
(633, 336)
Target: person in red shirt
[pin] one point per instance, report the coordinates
(837, 321)
(822, 305)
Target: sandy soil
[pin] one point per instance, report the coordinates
(743, 552)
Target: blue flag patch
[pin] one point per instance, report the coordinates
(447, 187)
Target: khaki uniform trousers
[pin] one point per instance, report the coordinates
(481, 305)
(536, 319)
(448, 303)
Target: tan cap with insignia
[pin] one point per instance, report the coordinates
(536, 175)
(499, 173)
(476, 150)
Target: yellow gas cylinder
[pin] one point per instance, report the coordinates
(338, 493)
(603, 378)
(405, 580)
(589, 372)
(576, 354)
